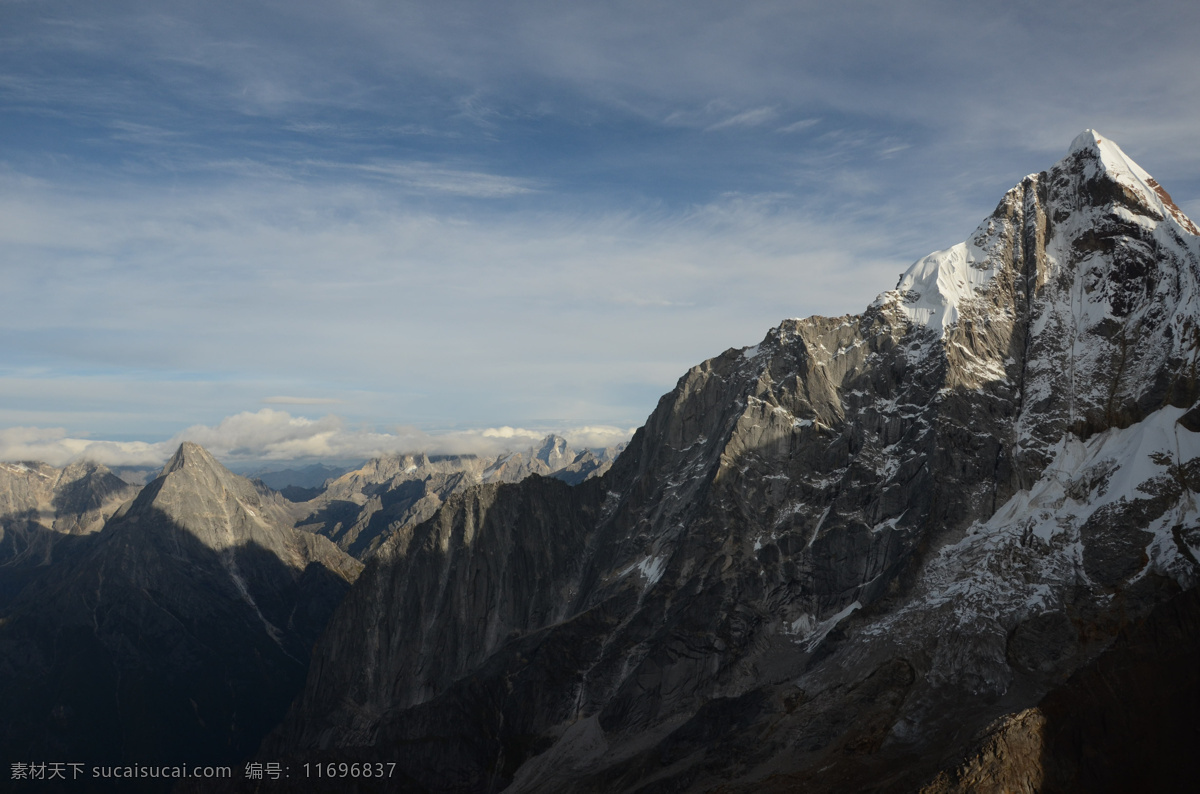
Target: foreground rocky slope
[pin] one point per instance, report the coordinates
(177, 634)
(828, 562)
(1124, 722)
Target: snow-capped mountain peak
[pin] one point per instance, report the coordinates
(1095, 187)
(1102, 157)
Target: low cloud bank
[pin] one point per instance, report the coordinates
(52, 445)
(271, 435)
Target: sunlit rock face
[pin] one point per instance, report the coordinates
(177, 634)
(828, 562)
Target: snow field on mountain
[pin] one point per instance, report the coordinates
(1024, 558)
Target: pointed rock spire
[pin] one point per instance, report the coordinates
(190, 453)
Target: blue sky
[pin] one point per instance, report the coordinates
(300, 229)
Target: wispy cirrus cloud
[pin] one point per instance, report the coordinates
(282, 400)
(799, 126)
(421, 176)
(747, 118)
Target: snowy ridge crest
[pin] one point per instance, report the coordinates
(1107, 158)
(934, 292)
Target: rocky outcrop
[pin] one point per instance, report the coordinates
(1124, 722)
(74, 500)
(828, 562)
(178, 635)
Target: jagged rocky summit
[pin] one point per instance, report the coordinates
(47, 514)
(39, 503)
(177, 634)
(886, 551)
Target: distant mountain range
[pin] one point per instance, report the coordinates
(312, 476)
(362, 508)
(177, 634)
(173, 623)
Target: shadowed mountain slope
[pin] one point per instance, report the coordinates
(46, 514)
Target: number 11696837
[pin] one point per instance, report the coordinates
(343, 769)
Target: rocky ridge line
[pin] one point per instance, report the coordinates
(361, 509)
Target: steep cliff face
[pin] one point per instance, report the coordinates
(178, 635)
(826, 561)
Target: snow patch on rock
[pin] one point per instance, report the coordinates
(1024, 559)
(936, 286)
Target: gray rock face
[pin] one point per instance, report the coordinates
(827, 561)
(177, 634)
(363, 508)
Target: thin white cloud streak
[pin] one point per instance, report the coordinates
(427, 177)
(960, 72)
(283, 400)
(270, 435)
(799, 126)
(748, 118)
